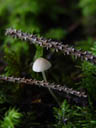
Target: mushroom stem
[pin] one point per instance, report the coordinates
(51, 92)
(44, 76)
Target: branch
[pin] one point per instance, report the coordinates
(44, 84)
(58, 46)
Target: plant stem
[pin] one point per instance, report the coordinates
(51, 92)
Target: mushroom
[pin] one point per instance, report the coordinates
(41, 65)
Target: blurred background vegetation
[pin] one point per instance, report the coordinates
(71, 22)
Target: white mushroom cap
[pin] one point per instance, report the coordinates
(41, 65)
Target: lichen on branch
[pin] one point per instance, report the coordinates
(60, 88)
(48, 43)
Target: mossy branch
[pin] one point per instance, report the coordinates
(60, 88)
(48, 43)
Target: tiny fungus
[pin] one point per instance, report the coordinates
(41, 65)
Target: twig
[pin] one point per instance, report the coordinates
(58, 46)
(44, 84)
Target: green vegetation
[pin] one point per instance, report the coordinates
(71, 22)
(75, 116)
(11, 119)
